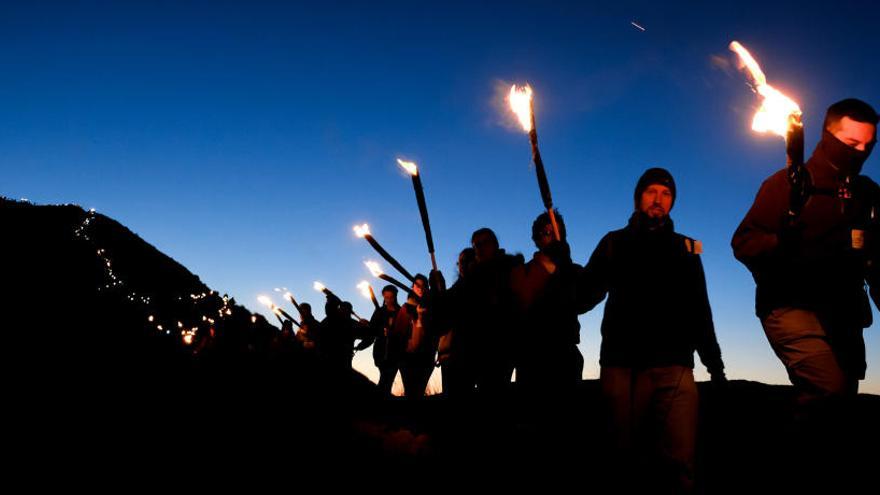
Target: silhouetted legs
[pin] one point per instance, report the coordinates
(653, 423)
(387, 373)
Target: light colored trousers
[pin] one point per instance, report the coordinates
(814, 366)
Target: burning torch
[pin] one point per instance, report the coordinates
(522, 105)
(289, 297)
(780, 115)
(378, 273)
(413, 171)
(363, 231)
(367, 290)
(278, 312)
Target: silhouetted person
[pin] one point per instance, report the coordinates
(412, 325)
(810, 270)
(656, 315)
(338, 333)
(284, 342)
(548, 360)
(452, 353)
(491, 310)
(387, 351)
(308, 333)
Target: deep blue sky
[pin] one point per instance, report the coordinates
(245, 139)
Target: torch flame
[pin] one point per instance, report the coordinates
(364, 287)
(319, 286)
(777, 110)
(374, 268)
(265, 301)
(362, 230)
(410, 167)
(288, 296)
(520, 100)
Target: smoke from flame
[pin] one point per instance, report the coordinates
(520, 100)
(410, 167)
(362, 230)
(776, 110)
(374, 268)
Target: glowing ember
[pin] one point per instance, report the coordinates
(319, 287)
(410, 167)
(520, 100)
(777, 110)
(374, 268)
(253, 319)
(364, 287)
(150, 318)
(362, 230)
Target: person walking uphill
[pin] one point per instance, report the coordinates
(810, 270)
(656, 316)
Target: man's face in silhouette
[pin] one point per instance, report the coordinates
(389, 298)
(545, 237)
(656, 201)
(419, 287)
(853, 133)
(485, 247)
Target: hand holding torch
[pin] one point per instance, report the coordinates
(522, 104)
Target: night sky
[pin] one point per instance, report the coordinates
(246, 139)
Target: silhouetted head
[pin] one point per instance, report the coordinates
(655, 193)
(420, 286)
(305, 310)
(286, 328)
(485, 244)
(389, 296)
(542, 229)
(345, 309)
(466, 259)
(849, 135)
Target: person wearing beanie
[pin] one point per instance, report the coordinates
(811, 270)
(657, 314)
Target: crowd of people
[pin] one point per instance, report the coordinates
(503, 313)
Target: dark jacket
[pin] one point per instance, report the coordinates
(658, 311)
(492, 313)
(548, 303)
(814, 266)
(381, 323)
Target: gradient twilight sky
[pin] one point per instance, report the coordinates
(245, 139)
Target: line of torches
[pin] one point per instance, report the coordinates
(777, 114)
